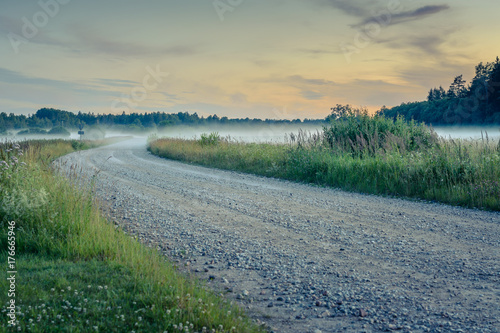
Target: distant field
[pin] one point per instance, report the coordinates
(365, 154)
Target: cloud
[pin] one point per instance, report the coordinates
(424, 11)
(13, 77)
(94, 43)
(238, 98)
(349, 7)
(297, 81)
(8, 24)
(116, 83)
(428, 44)
(171, 97)
(318, 51)
(374, 92)
(440, 74)
(82, 41)
(364, 10)
(408, 16)
(302, 80)
(10, 77)
(312, 95)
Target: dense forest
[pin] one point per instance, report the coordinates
(45, 119)
(475, 103)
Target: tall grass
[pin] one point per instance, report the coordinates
(364, 154)
(59, 229)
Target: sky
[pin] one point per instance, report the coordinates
(278, 59)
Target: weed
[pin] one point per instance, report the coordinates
(77, 272)
(365, 154)
(211, 139)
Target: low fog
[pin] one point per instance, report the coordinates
(469, 132)
(261, 133)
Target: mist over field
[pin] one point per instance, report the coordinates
(469, 132)
(268, 133)
(277, 133)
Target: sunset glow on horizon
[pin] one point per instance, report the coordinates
(239, 58)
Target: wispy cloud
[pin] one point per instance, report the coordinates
(319, 51)
(302, 80)
(407, 16)
(296, 81)
(312, 95)
(116, 82)
(351, 7)
(239, 98)
(428, 42)
(365, 9)
(94, 43)
(14, 77)
(10, 77)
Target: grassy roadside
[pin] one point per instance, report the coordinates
(76, 272)
(363, 154)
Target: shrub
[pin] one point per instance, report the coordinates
(211, 139)
(32, 131)
(59, 131)
(364, 135)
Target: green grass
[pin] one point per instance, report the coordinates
(364, 154)
(76, 272)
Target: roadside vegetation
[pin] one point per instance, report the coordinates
(357, 152)
(76, 272)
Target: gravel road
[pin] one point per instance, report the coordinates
(302, 258)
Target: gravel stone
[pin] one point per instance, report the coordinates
(373, 263)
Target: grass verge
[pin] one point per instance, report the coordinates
(76, 272)
(365, 154)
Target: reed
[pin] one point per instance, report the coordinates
(365, 154)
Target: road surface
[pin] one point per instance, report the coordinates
(302, 258)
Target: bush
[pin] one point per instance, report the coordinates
(211, 139)
(33, 131)
(364, 135)
(59, 131)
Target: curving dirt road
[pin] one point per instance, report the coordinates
(304, 258)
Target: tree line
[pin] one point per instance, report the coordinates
(47, 118)
(475, 103)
